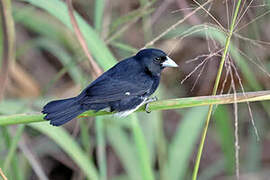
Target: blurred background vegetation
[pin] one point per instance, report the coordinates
(49, 63)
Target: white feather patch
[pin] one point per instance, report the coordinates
(128, 112)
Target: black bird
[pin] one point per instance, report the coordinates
(121, 89)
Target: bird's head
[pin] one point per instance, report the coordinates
(154, 60)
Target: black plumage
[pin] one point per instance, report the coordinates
(121, 89)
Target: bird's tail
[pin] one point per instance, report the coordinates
(61, 111)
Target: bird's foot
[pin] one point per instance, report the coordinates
(147, 103)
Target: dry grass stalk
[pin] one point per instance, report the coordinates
(3, 175)
(8, 43)
(96, 70)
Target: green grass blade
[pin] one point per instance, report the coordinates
(142, 149)
(124, 47)
(99, 10)
(147, 124)
(184, 141)
(85, 137)
(101, 145)
(13, 147)
(161, 145)
(42, 23)
(97, 47)
(66, 142)
(224, 129)
(15, 170)
(124, 149)
(64, 57)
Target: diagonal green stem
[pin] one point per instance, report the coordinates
(224, 55)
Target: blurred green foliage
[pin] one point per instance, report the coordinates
(159, 145)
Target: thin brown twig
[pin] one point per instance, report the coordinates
(220, 25)
(207, 39)
(227, 14)
(260, 5)
(96, 70)
(3, 175)
(234, 5)
(198, 77)
(243, 5)
(226, 77)
(182, 9)
(252, 61)
(210, 39)
(175, 25)
(197, 58)
(236, 133)
(199, 65)
(204, 61)
(253, 20)
(184, 34)
(241, 17)
(255, 42)
(248, 104)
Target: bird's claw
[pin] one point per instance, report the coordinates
(147, 103)
(147, 108)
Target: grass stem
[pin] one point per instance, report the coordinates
(157, 105)
(224, 55)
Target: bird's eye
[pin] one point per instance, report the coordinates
(157, 59)
(160, 59)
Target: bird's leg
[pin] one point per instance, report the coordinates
(148, 100)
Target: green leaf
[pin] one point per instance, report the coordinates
(42, 23)
(226, 139)
(13, 146)
(64, 57)
(182, 145)
(142, 149)
(66, 142)
(124, 149)
(97, 47)
(101, 147)
(99, 10)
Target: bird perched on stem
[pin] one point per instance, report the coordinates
(122, 89)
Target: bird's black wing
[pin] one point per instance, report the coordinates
(126, 79)
(110, 89)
